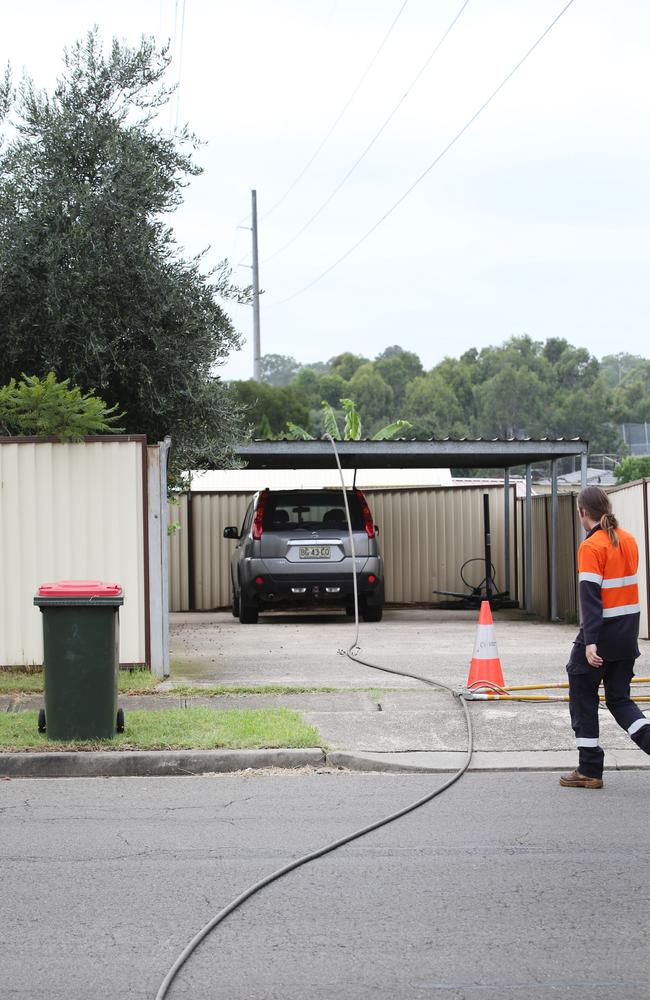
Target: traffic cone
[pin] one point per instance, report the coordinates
(485, 665)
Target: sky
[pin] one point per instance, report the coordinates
(536, 221)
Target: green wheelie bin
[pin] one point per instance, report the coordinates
(81, 659)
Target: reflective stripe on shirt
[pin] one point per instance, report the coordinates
(590, 578)
(625, 609)
(621, 581)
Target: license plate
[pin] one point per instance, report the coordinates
(314, 551)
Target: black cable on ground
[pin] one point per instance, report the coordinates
(351, 653)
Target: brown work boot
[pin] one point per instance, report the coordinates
(577, 780)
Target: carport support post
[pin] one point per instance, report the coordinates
(528, 590)
(554, 518)
(506, 528)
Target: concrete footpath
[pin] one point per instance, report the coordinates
(373, 721)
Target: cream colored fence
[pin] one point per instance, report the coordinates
(425, 536)
(568, 538)
(630, 503)
(73, 511)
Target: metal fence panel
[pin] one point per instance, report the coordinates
(631, 510)
(210, 551)
(425, 536)
(71, 511)
(630, 507)
(179, 595)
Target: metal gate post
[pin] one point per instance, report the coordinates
(528, 591)
(554, 527)
(506, 528)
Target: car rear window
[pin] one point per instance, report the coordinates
(284, 511)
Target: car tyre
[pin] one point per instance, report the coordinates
(373, 614)
(41, 720)
(235, 605)
(248, 610)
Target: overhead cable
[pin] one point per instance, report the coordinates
(372, 141)
(433, 164)
(345, 107)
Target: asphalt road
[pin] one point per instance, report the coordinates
(505, 886)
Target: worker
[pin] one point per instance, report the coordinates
(607, 643)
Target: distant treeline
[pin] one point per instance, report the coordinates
(523, 388)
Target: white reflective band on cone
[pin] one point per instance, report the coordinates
(485, 647)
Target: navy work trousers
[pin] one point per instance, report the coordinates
(584, 682)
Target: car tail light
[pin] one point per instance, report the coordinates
(372, 579)
(368, 523)
(257, 527)
(259, 580)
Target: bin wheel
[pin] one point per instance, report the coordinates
(120, 720)
(41, 720)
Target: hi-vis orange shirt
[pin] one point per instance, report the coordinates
(609, 593)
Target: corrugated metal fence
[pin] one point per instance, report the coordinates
(568, 540)
(425, 535)
(631, 505)
(73, 511)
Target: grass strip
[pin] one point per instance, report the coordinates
(214, 690)
(26, 681)
(175, 729)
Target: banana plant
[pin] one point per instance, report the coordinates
(352, 426)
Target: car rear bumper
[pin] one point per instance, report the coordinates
(315, 587)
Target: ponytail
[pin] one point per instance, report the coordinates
(595, 503)
(609, 524)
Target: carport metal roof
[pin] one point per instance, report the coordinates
(464, 453)
(403, 454)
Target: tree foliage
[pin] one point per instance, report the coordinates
(45, 407)
(93, 286)
(351, 425)
(632, 468)
(521, 388)
(279, 369)
(267, 409)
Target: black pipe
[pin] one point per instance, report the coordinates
(488, 546)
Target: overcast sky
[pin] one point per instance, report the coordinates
(536, 221)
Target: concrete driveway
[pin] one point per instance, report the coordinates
(397, 715)
(302, 649)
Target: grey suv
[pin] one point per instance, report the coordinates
(294, 549)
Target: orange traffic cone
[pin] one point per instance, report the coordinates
(485, 665)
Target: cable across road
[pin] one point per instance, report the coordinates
(431, 166)
(353, 654)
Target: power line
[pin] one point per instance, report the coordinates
(338, 118)
(372, 141)
(431, 165)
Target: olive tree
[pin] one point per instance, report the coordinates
(93, 285)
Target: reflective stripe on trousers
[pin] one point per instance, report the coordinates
(583, 706)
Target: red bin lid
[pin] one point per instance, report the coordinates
(79, 588)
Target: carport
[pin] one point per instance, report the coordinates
(502, 455)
